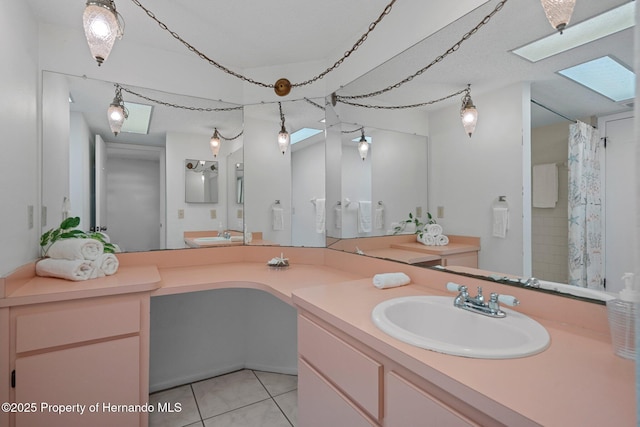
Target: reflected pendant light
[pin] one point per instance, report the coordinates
(102, 26)
(117, 113)
(558, 12)
(363, 146)
(215, 143)
(284, 140)
(468, 113)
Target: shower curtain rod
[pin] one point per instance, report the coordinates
(553, 111)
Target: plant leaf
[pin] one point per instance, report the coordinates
(70, 222)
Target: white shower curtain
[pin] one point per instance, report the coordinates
(585, 208)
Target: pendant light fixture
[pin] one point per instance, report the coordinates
(117, 113)
(215, 143)
(468, 113)
(284, 139)
(102, 25)
(558, 12)
(363, 146)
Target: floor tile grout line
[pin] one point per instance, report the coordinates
(283, 413)
(196, 400)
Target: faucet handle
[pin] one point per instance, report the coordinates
(508, 300)
(454, 287)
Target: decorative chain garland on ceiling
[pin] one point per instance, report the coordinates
(278, 86)
(452, 49)
(184, 107)
(399, 107)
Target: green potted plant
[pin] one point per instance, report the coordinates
(67, 230)
(414, 220)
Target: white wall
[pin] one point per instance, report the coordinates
(267, 178)
(399, 175)
(197, 216)
(308, 182)
(20, 124)
(80, 169)
(466, 175)
(356, 186)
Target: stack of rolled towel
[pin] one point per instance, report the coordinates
(432, 236)
(77, 259)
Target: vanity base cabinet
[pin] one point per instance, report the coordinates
(330, 396)
(82, 362)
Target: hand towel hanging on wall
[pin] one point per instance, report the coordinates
(500, 218)
(364, 216)
(320, 215)
(277, 214)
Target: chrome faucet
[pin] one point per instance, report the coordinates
(225, 235)
(477, 304)
(531, 282)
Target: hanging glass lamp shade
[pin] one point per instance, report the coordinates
(215, 143)
(117, 113)
(558, 12)
(468, 114)
(101, 28)
(363, 147)
(284, 140)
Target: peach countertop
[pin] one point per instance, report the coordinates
(577, 381)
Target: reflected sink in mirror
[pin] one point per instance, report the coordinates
(198, 242)
(433, 323)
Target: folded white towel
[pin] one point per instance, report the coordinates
(320, 215)
(364, 217)
(428, 239)
(545, 185)
(277, 218)
(88, 249)
(338, 216)
(107, 263)
(441, 240)
(77, 269)
(433, 229)
(500, 221)
(390, 280)
(379, 217)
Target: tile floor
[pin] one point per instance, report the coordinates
(243, 398)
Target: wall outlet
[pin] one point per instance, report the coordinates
(180, 213)
(440, 211)
(419, 211)
(30, 216)
(239, 215)
(214, 215)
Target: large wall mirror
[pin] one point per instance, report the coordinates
(525, 110)
(134, 185)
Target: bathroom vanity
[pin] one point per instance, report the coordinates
(87, 343)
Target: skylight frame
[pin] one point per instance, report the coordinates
(139, 119)
(600, 26)
(302, 134)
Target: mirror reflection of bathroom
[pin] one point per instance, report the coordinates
(200, 181)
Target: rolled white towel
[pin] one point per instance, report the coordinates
(428, 240)
(66, 269)
(434, 229)
(89, 249)
(441, 240)
(107, 263)
(390, 280)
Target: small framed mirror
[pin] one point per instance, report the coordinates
(200, 181)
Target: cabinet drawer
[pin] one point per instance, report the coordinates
(353, 372)
(35, 331)
(407, 405)
(321, 405)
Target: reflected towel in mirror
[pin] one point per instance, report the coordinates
(337, 211)
(379, 217)
(320, 215)
(364, 216)
(277, 214)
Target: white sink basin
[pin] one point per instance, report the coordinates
(432, 322)
(214, 239)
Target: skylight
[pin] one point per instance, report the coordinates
(302, 134)
(595, 28)
(139, 118)
(606, 76)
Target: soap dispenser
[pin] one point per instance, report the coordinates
(621, 312)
